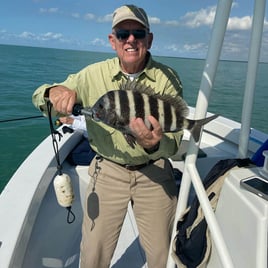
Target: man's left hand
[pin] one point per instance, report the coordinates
(145, 137)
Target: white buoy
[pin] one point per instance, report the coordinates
(64, 190)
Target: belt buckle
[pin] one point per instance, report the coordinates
(136, 167)
(131, 167)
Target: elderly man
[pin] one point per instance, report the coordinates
(140, 175)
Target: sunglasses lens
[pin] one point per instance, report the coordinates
(124, 34)
(139, 34)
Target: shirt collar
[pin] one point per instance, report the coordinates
(148, 70)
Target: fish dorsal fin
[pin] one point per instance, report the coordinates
(137, 87)
(176, 101)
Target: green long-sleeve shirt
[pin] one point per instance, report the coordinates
(95, 80)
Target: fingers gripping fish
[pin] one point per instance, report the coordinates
(132, 100)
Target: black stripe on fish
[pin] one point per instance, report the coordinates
(167, 117)
(154, 108)
(108, 105)
(139, 105)
(124, 106)
(179, 121)
(111, 100)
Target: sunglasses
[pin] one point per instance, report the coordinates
(122, 34)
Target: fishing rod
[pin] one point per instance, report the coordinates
(22, 118)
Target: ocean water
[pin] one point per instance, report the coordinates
(23, 69)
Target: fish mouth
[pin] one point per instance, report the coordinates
(95, 115)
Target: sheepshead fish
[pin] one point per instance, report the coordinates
(132, 100)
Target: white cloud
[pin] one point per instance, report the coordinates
(236, 23)
(232, 47)
(51, 36)
(106, 18)
(199, 18)
(192, 47)
(49, 10)
(172, 23)
(205, 17)
(172, 47)
(99, 42)
(197, 50)
(89, 16)
(43, 37)
(27, 35)
(154, 20)
(75, 15)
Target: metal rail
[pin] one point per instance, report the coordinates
(253, 60)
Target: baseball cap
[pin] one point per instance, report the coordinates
(130, 12)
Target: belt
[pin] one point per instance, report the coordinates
(137, 167)
(133, 167)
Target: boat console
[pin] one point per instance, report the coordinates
(243, 219)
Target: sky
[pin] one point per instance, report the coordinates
(181, 28)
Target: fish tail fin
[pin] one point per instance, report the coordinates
(194, 126)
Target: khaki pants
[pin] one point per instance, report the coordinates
(153, 193)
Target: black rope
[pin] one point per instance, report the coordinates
(22, 118)
(54, 134)
(70, 215)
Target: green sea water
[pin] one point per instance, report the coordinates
(23, 69)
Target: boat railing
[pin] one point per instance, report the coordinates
(190, 173)
(253, 60)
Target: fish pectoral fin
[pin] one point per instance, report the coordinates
(130, 140)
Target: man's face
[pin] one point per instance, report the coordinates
(131, 45)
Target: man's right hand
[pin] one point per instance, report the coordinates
(63, 99)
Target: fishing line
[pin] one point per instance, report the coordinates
(22, 118)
